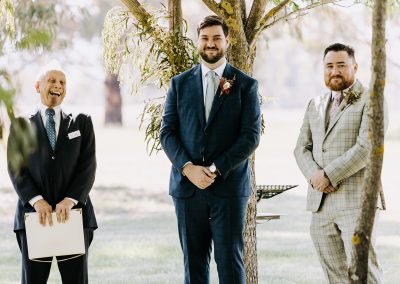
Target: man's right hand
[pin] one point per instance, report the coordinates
(44, 212)
(200, 176)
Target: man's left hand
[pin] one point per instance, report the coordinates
(319, 181)
(62, 210)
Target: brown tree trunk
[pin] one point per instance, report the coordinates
(175, 12)
(113, 112)
(240, 56)
(358, 271)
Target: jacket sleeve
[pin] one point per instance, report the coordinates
(249, 133)
(169, 133)
(304, 147)
(18, 151)
(85, 171)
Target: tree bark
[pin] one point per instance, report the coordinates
(175, 12)
(358, 271)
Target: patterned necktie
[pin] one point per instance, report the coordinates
(51, 127)
(210, 92)
(337, 99)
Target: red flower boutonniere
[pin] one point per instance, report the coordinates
(226, 85)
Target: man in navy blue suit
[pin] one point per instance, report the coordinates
(57, 176)
(210, 128)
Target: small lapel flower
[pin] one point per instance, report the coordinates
(226, 85)
(352, 95)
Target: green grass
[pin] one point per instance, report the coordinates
(133, 247)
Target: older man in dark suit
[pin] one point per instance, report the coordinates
(211, 126)
(57, 176)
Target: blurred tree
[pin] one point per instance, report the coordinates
(30, 26)
(156, 43)
(113, 112)
(24, 25)
(358, 271)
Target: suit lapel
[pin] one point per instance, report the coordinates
(357, 87)
(63, 130)
(40, 130)
(196, 83)
(342, 107)
(218, 99)
(323, 111)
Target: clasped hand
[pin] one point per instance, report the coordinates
(43, 208)
(200, 176)
(321, 183)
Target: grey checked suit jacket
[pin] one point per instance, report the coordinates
(341, 150)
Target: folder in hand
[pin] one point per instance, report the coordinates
(60, 239)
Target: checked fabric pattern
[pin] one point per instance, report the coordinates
(51, 127)
(341, 150)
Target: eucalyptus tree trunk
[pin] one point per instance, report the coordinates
(240, 56)
(358, 270)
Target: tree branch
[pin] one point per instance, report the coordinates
(137, 10)
(261, 23)
(256, 13)
(271, 15)
(244, 11)
(214, 7)
(175, 12)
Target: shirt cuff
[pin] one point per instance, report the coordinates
(73, 200)
(35, 199)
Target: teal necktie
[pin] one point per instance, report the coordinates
(51, 127)
(210, 92)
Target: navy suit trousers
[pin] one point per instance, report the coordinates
(205, 218)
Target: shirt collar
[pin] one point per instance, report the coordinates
(43, 108)
(219, 71)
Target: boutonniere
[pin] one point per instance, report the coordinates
(226, 85)
(352, 95)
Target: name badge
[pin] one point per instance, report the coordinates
(74, 134)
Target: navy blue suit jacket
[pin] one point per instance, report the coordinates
(68, 171)
(229, 137)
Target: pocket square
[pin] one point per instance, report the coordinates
(74, 134)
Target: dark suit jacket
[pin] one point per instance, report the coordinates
(68, 171)
(229, 137)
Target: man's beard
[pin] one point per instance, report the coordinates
(211, 58)
(340, 85)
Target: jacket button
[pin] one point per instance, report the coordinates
(53, 158)
(323, 150)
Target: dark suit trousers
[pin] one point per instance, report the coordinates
(73, 271)
(204, 218)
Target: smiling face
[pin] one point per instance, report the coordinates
(52, 88)
(339, 70)
(212, 44)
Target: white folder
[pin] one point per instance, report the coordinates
(60, 239)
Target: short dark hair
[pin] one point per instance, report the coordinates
(340, 47)
(213, 20)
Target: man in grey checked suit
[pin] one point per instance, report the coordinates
(332, 153)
